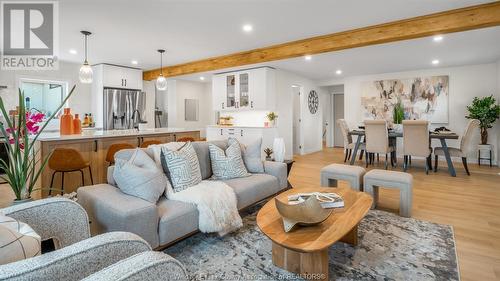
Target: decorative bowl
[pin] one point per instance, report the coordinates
(306, 213)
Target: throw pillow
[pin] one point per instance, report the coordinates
(155, 150)
(140, 177)
(251, 155)
(227, 164)
(18, 241)
(181, 167)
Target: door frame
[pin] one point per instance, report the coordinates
(301, 117)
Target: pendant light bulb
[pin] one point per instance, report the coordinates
(86, 74)
(161, 81)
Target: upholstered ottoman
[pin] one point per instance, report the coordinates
(335, 172)
(391, 179)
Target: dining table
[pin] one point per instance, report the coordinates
(442, 137)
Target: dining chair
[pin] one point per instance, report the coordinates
(348, 143)
(416, 142)
(463, 150)
(377, 140)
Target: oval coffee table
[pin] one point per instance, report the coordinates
(304, 250)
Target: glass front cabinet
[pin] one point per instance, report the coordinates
(244, 90)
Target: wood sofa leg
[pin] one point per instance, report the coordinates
(464, 161)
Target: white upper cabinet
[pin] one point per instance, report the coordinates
(252, 89)
(121, 77)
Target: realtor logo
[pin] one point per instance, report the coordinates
(29, 35)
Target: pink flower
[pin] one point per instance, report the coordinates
(35, 117)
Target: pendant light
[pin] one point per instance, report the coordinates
(86, 73)
(161, 81)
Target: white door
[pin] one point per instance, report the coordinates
(297, 146)
(338, 113)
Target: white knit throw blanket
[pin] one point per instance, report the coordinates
(216, 203)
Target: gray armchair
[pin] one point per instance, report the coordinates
(77, 255)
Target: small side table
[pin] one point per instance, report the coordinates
(486, 149)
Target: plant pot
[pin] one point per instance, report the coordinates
(21, 201)
(269, 158)
(398, 128)
(484, 136)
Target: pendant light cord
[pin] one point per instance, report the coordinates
(86, 46)
(161, 64)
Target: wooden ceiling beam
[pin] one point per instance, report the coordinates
(463, 19)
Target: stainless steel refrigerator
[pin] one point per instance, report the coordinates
(123, 109)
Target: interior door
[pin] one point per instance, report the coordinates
(338, 113)
(297, 146)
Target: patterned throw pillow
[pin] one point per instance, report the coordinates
(227, 164)
(181, 167)
(18, 241)
(251, 155)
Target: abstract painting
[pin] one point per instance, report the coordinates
(422, 98)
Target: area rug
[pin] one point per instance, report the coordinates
(390, 248)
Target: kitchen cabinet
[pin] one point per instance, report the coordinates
(121, 77)
(245, 135)
(252, 89)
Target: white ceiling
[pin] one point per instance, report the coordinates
(126, 30)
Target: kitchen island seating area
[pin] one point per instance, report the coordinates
(381, 140)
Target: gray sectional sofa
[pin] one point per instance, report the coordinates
(167, 221)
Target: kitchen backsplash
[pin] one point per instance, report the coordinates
(247, 118)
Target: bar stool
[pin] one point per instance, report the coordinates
(148, 143)
(114, 148)
(185, 139)
(65, 160)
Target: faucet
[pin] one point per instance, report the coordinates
(135, 124)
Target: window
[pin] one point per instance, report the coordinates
(44, 96)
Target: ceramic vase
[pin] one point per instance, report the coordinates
(66, 126)
(279, 149)
(77, 125)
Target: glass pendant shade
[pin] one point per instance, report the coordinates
(86, 74)
(161, 83)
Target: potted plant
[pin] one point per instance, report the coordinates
(271, 116)
(398, 116)
(487, 111)
(24, 169)
(268, 153)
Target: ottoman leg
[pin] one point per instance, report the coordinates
(326, 181)
(405, 203)
(373, 191)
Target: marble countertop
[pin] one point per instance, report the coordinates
(99, 134)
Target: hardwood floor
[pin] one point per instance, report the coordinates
(471, 204)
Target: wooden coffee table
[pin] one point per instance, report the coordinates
(304, 250)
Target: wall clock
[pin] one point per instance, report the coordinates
(313, 101)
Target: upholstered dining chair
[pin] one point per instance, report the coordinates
(377, 139)
(416, 142)
(348, 143)
(465, 146)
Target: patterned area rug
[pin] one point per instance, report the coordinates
(390, 248)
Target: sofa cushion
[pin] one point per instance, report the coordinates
(250, 190)
(201, 148)
(251, 155)
(154, 150)
(18, 241)
(140, 177)
(177, 219)
(227, 164)
(181, 167)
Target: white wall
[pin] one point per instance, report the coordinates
(179, 90)
(311, 123)
(68, 72)
(466, 82)
(498, 122)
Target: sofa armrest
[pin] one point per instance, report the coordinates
(77, 261)
(278, 170)
(58, 218)
(154, 266)
(110, 209)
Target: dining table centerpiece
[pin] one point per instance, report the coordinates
(398, 116)
(21, 130)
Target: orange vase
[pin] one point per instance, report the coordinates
(66, 127)
(77, 125)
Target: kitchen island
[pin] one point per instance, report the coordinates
(93, 146)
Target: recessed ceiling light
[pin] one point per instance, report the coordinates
(308, 57)
(338, 72)
(435, 62)
(202, 78)
(247, 27)
(438, 38)
(134, 62)
(73, 51)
